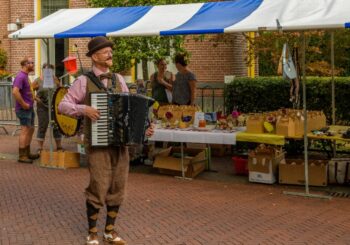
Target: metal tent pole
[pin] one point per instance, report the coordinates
(182, 165)
(333, 85)
(306, 161)
(50, 104)
(333, 91)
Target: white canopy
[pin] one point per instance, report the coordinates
(197, 18)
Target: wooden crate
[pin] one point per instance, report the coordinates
(60, 159)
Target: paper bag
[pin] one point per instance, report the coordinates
(285, 126)
(255, 124)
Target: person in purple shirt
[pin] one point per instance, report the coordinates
(22, 92)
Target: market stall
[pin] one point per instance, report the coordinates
(199, 18)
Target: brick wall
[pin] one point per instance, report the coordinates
(82, 49)
(16, 50)
(78, 4)
(211, 64)
(24, 10)
(9, 13)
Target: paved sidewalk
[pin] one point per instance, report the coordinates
(46, 206)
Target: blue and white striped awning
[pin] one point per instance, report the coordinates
(197, 18)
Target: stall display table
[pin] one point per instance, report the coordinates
(271, 139)
(329, 141)
(189, 136)
(194, 136)
(231, 137)
(336, 129)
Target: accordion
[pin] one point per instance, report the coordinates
(123, 120)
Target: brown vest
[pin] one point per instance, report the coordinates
(91, 87)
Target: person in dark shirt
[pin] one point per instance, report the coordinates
(141, 87)
(161, 82)
(42, 110)
(184, 87)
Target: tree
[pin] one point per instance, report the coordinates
(3, 58)
(141, 49)
(268, 47)
(3, 63)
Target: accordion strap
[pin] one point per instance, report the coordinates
(99, 84)
(95, 80)
(114, 81)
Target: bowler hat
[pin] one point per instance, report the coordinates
(98, 43)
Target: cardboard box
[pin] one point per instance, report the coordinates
(339, 171)
(196, 145)
(60, 159)
(265, 178)
(219, 150)
(292, 171)
(263, 167)
(194, 161)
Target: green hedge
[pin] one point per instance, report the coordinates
(271, 93)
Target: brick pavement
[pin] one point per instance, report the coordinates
(46, 206)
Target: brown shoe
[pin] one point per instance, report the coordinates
(31, 156)
(92, 239)
(22, 156)
(113, 238)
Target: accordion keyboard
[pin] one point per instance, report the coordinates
(100, 128)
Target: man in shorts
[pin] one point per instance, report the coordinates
(22, 92)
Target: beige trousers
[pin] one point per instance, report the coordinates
(109, 168)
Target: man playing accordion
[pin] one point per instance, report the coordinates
(108, 166)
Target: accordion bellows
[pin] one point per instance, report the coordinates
(123, 119)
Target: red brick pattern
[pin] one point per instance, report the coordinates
(10, 11)
(82, 49)
(211, 63)
(46, 206)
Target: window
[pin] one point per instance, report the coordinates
(50, 6)
(58, 47)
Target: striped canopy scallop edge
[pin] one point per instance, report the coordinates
(197, 18)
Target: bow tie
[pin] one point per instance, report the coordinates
(107, 75)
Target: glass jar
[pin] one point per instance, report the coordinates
(202, 123)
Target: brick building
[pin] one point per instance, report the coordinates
(209, 63)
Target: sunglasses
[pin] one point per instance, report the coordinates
(30, 63)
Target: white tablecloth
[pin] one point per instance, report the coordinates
(208, 137)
